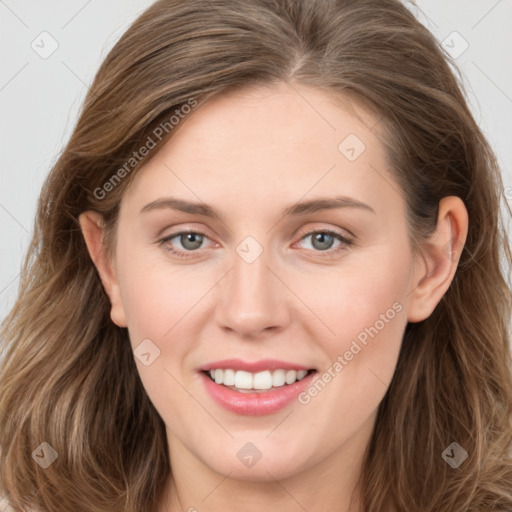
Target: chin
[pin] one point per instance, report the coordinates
(250, 464)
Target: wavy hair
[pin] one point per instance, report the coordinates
(68, 376)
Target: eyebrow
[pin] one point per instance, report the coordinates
(311, 206)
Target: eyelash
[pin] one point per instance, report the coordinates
(180, 254)
(344, 242)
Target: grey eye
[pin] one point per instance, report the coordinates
(191, 241)
(322, 241)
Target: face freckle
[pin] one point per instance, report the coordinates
(300, 255)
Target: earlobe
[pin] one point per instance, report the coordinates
(440, 255)
(92, 226)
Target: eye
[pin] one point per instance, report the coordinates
(323, 241)
(189, 241)
(184, 243)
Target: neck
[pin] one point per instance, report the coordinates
(287, 495)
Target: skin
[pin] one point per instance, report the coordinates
(242, 154)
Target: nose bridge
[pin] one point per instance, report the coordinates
(252, 298)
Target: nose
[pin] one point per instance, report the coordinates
(253, 301)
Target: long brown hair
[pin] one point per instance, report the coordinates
(68, 376)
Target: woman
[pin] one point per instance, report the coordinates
(266, 275)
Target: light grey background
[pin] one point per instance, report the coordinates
(40, 94)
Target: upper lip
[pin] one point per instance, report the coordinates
(253, 366)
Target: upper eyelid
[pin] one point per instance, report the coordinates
(325, 230)
(345, 232)
(166, 238)
(342, 238)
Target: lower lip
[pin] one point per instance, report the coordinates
(256, 404)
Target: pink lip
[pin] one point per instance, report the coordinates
(255, 404)
(255, 366)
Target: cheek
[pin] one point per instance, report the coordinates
(160, 303)
(363, 306)
(165, 309)
(158, 296)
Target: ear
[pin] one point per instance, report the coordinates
(92, 226)
(436, 265)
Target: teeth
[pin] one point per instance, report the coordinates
(290, 377)
(243, 380)
(262, 380)
(278, 378)
(229, 377)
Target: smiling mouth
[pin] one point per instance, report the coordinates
(258, 382)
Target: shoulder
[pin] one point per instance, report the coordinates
(5, 506)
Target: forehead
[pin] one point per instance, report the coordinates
(259, 146)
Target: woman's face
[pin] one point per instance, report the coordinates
(305, 265)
